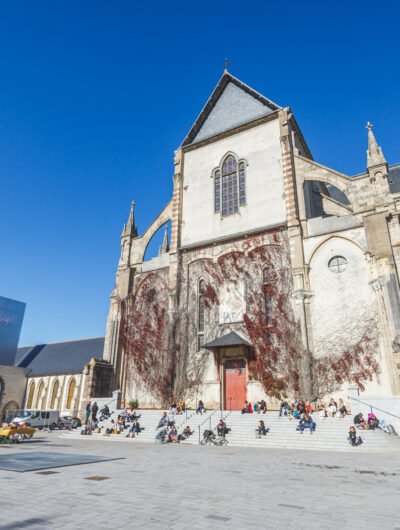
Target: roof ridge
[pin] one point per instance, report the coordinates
(59, 342)
(224, 80)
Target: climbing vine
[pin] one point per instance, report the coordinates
(161, 346)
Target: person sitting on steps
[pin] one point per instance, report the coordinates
(352, 438)
(375, 423)
(262, 407)
(173, 435)
(200, 407)
(104, 413)
(164, 420)
(332, 408)
(134, 430)
(301, 407)
(247, 408)
(283, 407)
(359, 421)
(261, 430)
(221, 428)
(305, 422)
(133, 414)
(321, 410)
(342, 408)
(185, 434)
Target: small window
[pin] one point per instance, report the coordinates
(337, 264)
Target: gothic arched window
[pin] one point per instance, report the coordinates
(200, 318)
(56, 386)
(71, 391)
(229, 185)
(40, 395)
(30, 395)
(267, 300)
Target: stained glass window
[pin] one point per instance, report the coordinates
(230, 188)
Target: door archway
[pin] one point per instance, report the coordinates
(235, 384)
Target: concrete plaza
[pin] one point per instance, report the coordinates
(189, 487)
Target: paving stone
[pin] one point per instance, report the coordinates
(268, 491)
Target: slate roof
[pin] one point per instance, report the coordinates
(230, 339)
(394, 178)
(231, 104)
(59, 357)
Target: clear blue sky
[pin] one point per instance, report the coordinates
(95, 96)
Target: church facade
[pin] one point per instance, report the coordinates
(280, 275)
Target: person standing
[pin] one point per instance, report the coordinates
(95, 408)
(88, 409)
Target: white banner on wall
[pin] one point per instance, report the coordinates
(232, 302)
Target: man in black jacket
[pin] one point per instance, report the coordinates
(95, 408)
(221, 428)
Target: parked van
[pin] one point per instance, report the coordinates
(38, 418)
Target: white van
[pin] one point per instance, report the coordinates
(38, 418)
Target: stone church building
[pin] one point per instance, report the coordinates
(280, 275)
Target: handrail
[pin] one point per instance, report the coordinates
(186, 407)
(373, 407)
(207, 419)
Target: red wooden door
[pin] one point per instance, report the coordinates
(235, 384)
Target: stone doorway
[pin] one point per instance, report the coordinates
(235, 384)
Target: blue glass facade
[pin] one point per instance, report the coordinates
(11, 317)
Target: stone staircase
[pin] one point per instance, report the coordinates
(330, 433)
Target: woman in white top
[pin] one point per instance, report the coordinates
(332, 408)
(322, 411)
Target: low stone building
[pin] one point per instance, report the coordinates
(58, 376)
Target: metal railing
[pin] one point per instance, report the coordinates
(209, 420)
(373, 407)
(187, 408)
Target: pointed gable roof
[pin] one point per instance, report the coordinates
(229, 339)
(231, 104)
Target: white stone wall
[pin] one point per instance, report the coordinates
(341, 302)
(61, 400)
(14, 385)
(260, 147)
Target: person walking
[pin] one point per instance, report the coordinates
(88, 409)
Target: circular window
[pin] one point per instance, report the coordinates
(337, 264)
